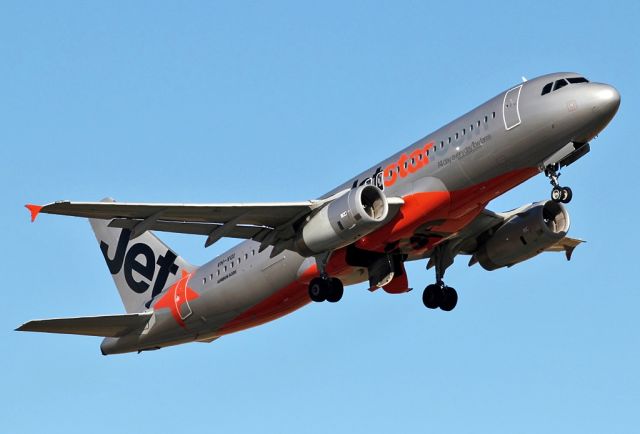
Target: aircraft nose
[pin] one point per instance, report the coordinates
(606, 100)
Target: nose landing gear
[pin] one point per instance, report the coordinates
(558, 193)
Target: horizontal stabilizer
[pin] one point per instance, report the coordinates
(106, 326)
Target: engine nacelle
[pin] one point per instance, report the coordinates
(524, 235)
(343, 221)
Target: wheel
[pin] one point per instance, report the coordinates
(556, 194)
(336, 289)
(449, 299)
(318, 289)
(432, 296)
(567, 194)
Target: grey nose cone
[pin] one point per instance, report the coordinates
(601, 102)
(607, 100)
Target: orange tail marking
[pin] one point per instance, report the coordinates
(34, 210)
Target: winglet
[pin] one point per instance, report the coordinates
(34, 210)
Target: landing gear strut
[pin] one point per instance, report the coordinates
(439, 295)
(558, 193)
(324, 287)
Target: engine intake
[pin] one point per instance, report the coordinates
(524, 235)
(343, 221)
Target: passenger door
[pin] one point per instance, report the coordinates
(510, 111)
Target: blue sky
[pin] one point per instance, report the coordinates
(257, 101)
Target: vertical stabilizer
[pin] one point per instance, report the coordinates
(141, 267)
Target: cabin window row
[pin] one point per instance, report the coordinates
(229, 266)
(463, 132)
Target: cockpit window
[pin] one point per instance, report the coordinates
(560, 84)
(575, 80)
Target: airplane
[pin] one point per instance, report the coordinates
(426, 202)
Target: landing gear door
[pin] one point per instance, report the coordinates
(510, 111)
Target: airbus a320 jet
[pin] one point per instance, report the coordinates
(427, 202)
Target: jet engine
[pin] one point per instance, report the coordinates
(343, 221)
(524, 235)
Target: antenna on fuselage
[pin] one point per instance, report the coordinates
(524, 79)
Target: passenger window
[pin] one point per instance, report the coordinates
(560, 84)
(547, 88)
(493, 115)
(218, 272)
(464, 131)
(457, 135)
(441, 145)
(204, 280)
(478, 124)
(253, 252)
(246, 256)
(449, 140)
(471, 127)
(486, 119)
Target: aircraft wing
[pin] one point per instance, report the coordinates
(266, 214)
(489, 219)
(566, 245)
(466, 241)
(105, 326)
(263, 222)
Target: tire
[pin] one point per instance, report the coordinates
(556, 194)
(318, 289)
(432, 296)
(449, 299)
(336, 290)
(567, 195)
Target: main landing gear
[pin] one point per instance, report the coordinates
(558, 193)
(439, 295)
(326, 288)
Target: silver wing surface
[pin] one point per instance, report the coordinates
(468, 240)
(264, 222)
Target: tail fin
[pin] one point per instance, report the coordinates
(141, 268)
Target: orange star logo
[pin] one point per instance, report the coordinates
(177, 298)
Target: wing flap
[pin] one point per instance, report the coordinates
(243, 232)
(105, 325)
